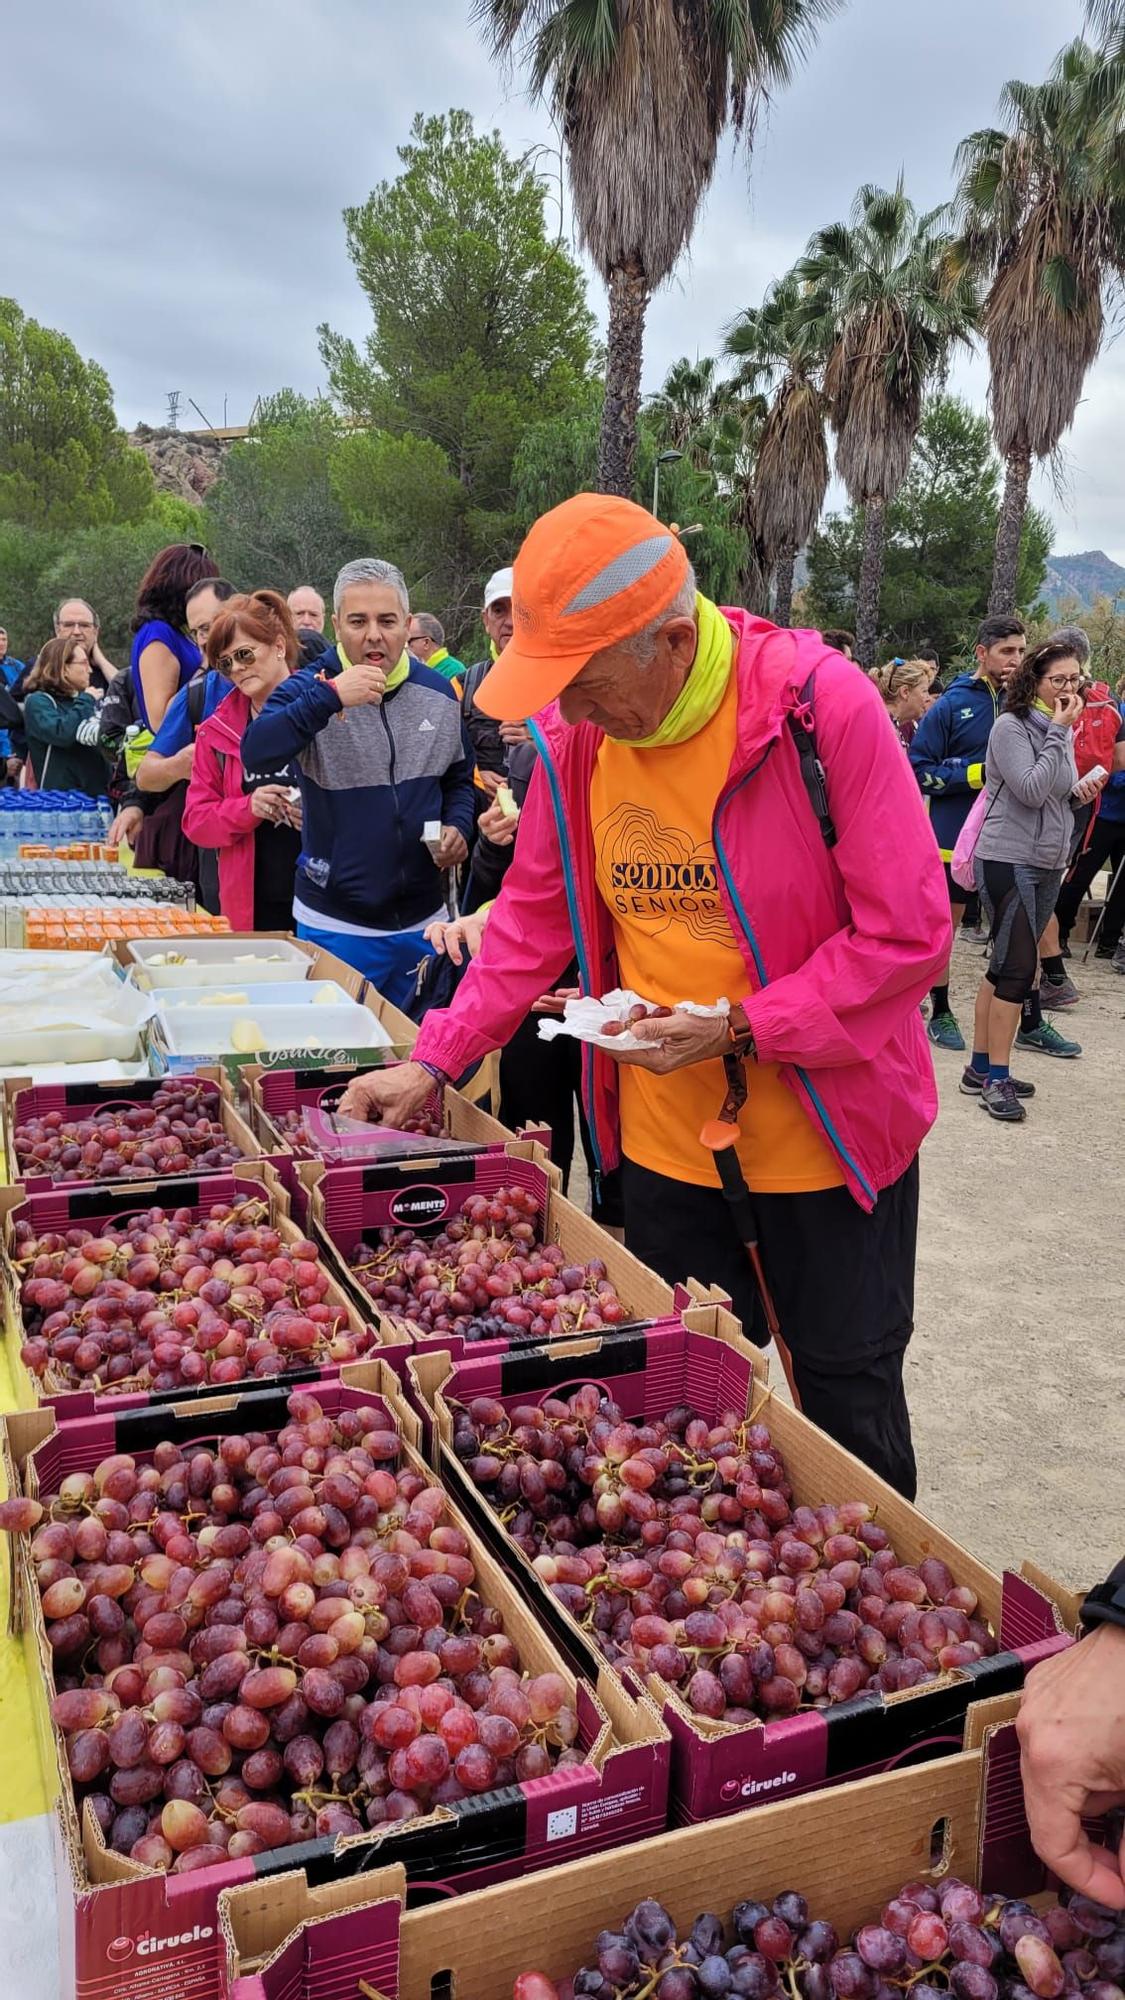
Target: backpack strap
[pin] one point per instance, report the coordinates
(802, 728)
(196, 700)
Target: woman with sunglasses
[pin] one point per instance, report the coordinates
(1021, 855)
(248, 817)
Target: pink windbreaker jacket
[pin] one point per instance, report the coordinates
(840, 944)
(217, 813)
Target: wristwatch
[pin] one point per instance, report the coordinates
(1106, 1603)
(741, 1034)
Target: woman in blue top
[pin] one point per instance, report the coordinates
(163, 658)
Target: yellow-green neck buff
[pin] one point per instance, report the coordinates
(701, 695)
(395, 678)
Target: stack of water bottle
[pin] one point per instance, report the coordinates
(49, 819)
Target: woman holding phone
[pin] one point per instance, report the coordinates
(1021, 856)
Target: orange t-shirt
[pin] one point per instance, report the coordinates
(657, 875)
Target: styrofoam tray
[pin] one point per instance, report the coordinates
(206, 1031)
(274, 993)
(219, 961)
(107, 1041)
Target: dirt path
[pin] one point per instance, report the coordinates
(1016, 1375)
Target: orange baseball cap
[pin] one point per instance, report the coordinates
(590, 573)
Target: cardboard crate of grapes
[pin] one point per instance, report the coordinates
(814, 1690)
(253, 1737)
(85, 1324)
(278, 1098)
(841, 1881)
(120, 1123)
(580, 1278)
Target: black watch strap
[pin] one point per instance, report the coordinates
(1105, 1605)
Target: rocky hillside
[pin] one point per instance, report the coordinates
(1085, 577)
(181, 464)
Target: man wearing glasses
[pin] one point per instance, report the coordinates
(75, 617)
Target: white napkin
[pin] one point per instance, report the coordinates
(586, 1019)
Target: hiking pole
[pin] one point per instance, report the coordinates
(720, 1136)
(1093, 937)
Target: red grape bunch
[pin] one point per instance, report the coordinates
(488, 1273)
(266, 1640)
(161, 1301)
(677, 1545)
(931, 1942)
(177, 1131)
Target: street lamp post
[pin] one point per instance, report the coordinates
(664, 458)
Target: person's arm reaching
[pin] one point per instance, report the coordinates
(858, 986)
(1071, 1728)
(54, 721)
(159, 774)
(528, 944)
(938, 774)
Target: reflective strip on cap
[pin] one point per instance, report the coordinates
(618, 575)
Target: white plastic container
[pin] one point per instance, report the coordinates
(275, 993)
(206, 1031)
(218, 961)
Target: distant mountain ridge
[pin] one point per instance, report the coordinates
(1085, 577)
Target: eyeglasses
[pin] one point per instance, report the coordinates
(199, 632)
(242, 656)
(1064, 680)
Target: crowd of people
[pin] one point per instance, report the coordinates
(632, 787)
(585, 806)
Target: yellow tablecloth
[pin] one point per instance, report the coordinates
(23, 1790)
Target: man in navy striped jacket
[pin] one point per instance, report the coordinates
(380, 753)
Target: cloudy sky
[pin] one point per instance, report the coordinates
(172, 179)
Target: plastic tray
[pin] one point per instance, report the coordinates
(220, 961)
(271, 993)
(206, 1031)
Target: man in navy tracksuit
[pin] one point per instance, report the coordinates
(948, 752)
(381, 754)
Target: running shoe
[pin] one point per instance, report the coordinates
(972, 1085)
(1048, 1041)
(973, 934)
(1059, 992)
(1000, 1100)
(1118, 960)
(944, 1032)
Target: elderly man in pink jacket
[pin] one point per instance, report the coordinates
(720, 810)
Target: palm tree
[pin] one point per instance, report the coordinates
(685, 405)
(1042, 215)
(643, 91)
(780, 344)
(879, 294)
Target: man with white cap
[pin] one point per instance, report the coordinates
(494, 742)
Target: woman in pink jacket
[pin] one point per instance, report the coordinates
(720, 811)
(248, 817)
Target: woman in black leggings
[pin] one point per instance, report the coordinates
(1021, 854)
